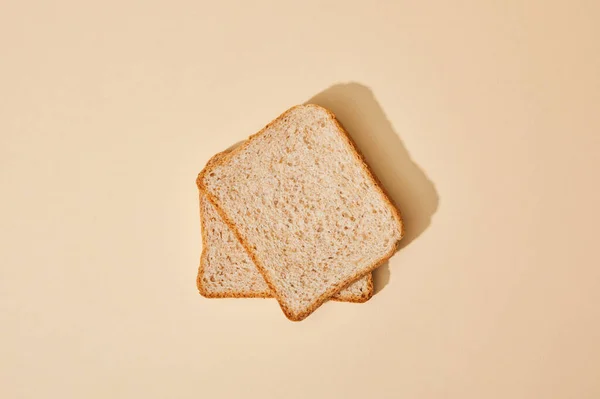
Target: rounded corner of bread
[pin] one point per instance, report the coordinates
(201, 289)
(212, 162)
(216, 158)
(291, 315)
(294, 318)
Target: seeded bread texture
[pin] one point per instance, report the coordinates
(305, 207)
(226, 270)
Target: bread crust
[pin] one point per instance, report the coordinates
(359, 158)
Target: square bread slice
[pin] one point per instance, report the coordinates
(305, 206)
(226, 270)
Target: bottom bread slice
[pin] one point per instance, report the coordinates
(226, 270)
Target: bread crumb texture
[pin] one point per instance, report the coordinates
(227, 271)
(305, 206)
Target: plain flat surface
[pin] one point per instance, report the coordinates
(483, 123)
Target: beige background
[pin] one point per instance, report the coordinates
(481, 118)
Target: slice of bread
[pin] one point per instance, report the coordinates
(305, 206)
(226, 270)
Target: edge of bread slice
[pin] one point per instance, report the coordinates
(226, 270)
(298, 309)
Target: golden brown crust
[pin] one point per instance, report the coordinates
(329, 293)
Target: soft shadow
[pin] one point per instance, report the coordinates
(414, 194)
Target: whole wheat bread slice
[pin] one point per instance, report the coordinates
(305, 206)
(226, 270)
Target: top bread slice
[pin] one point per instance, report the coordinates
(226, 270)
(305, 206)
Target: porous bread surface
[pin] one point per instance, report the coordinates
(305, 207)
(226, 270)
